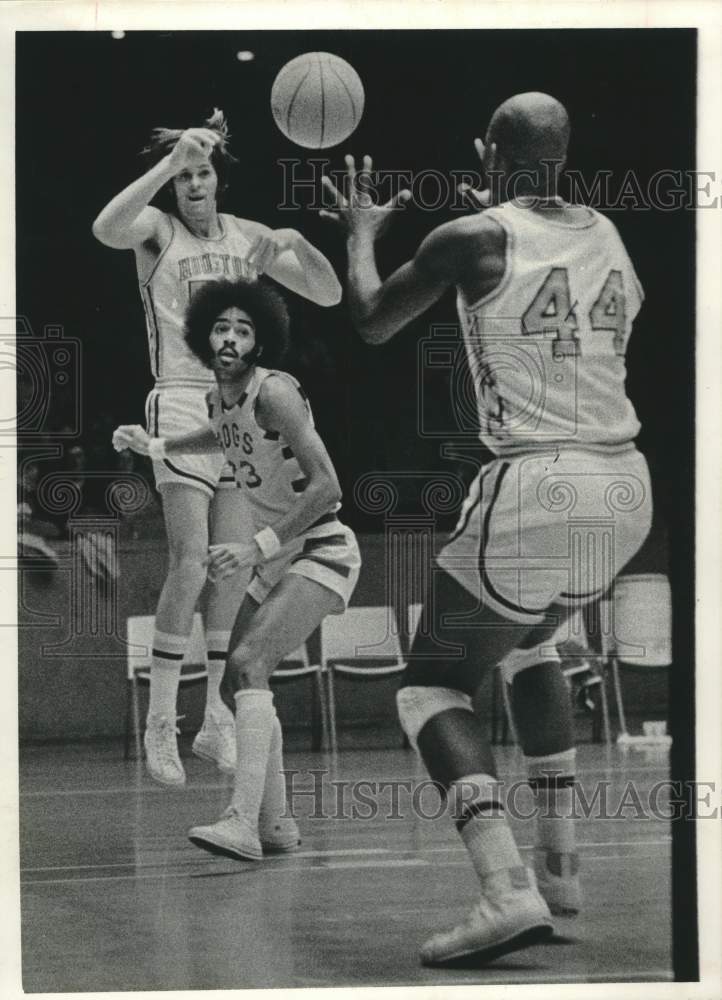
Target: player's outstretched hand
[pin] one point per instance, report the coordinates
(227, 558)
(193, 148)
(131, 436)
(478, 200)
(268, 246)
(360, 213)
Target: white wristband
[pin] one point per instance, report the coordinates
(156, 449)
(268, 542)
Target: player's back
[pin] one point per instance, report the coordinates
(546, 348)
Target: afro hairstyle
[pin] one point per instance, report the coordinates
(162, 142)
(259, 298)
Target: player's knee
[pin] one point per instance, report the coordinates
(186, 556)
(247, 664)
(417, 705)
(524, 659)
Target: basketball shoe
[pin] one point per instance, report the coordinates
(558, 881)
(280, 836)
(161, 751)
(510, 915)
(216, 741)
(232, 836)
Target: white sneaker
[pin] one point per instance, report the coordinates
(232, 836)
(558, 881)
(280, 837)
(216, 741)
(510, 915)
(161, 751)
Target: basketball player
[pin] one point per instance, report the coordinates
(305, 562)
(546, 297)
(178, 250)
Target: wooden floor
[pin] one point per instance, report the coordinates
(115, 898)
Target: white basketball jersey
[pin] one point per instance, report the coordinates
(263, 465)
(185, 263)
(546, 348)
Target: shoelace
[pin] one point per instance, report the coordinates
(165, 732)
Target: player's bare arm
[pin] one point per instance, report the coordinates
(135, 437)
(281, 408)
(287, 257)
(455, 253)
(129, 222)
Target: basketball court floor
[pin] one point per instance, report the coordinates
(114, 897)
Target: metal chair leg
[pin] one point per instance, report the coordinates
(128, 714)
(319, 717)
(331, 702)
(605, 705)
(135, 718)
(508, 709)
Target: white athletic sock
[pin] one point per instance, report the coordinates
(480, 820)
(273, 804)
(217, 647)
(552, 781)
(165, 671)
(254, 728)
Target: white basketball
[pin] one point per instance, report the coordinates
(317, 100)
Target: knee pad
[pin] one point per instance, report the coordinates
(521, 659)
(416, 705)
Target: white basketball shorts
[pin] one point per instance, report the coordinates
(539, 529)
(327, 553)
(173, 411)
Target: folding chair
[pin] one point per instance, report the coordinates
(361, 645)
(140, 657)
(640, 636)
(284, 675)
(583, 666)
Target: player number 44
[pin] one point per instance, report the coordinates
(552, 311)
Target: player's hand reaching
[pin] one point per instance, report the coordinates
(476, 199)
(268, 246)
(359, 213)
(227, 558)
(131, 436)
(192, 149)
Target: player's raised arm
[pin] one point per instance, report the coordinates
(128, 220)
(379, 309)
(287, 257)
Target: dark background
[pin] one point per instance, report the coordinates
(85, 105)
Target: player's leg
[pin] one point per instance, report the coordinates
(230, 521)
(262, 635)
(435, 709)
(544, 722)
(185, 512)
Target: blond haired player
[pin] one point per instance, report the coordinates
(546, 299)
(177, 251)
(305, 561)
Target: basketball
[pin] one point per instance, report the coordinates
(317, 100)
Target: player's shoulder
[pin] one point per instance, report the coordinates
(249, 227)
(449, 247)
(481, 228)
(279, 394)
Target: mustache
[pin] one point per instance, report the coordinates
(228, 349)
